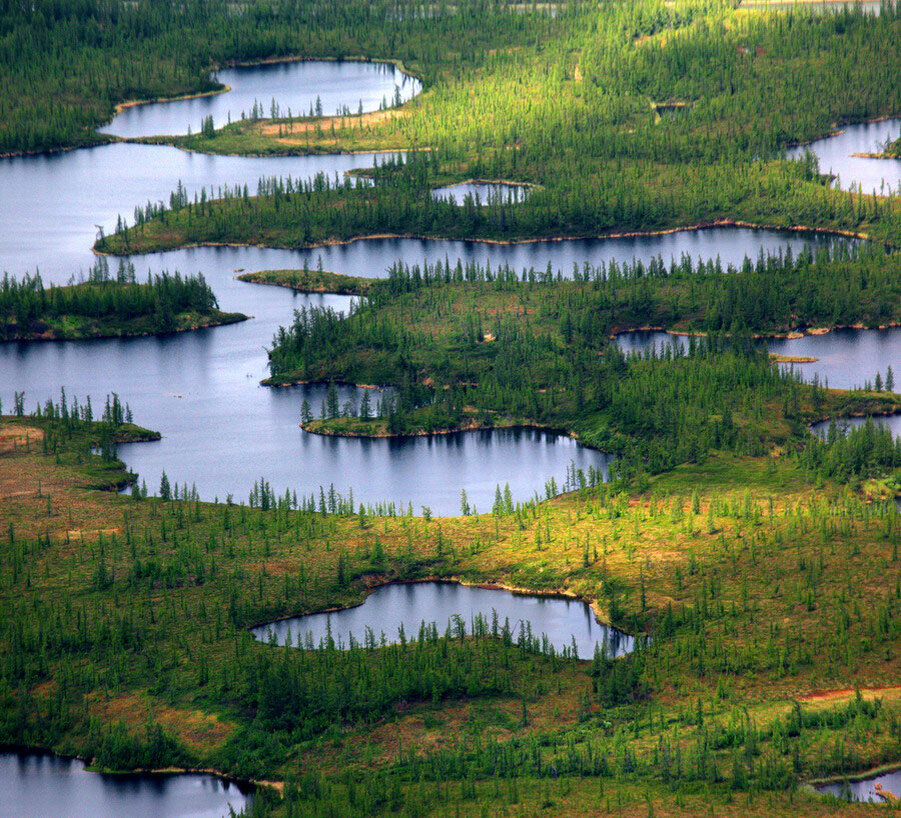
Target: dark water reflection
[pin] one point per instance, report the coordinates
(372, 257)
(40, 785)
(483, 192)
(409, 604)
(335, 86)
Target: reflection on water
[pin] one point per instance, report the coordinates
(563, 621)
(34, 785)
(836, 156)
(846, 358)
(306, 88)
(482, 193)
(867, 790)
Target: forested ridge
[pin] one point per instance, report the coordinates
(107, 304)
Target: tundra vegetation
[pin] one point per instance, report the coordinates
(761, 562)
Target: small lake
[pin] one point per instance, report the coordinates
(835, 154)
(846, 357)
(307, 87)
(865, 790)
(892, 422)
(411, 603)
(482, 193)
(41, 785)
(867, 6)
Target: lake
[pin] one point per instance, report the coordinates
(35, 784)
(306, 87)
(408, 604)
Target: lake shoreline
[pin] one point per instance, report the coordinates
(221, 320)
(247, 783)
(698, 226)
(488, 585)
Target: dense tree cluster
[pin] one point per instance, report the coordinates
(464, 343)
(27, 307)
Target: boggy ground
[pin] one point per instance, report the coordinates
(769, 600)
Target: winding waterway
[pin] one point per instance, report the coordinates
(39, 785)
(221, 430)
(565, 622)
(305, 87)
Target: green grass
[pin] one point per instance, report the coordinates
(757, 587)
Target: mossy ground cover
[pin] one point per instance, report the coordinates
(768, 599)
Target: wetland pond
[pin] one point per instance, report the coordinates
(867, 789)
(42, 784)
(482, 193)
(562, 620)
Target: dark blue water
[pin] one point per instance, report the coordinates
(386, 609)
(41, 785)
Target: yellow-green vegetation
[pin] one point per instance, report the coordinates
(769, 601)
(571, 102)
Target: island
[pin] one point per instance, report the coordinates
(107, 307)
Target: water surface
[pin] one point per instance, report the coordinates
(409, 604)
(41, 785)
(308, 87)
(836, 156)
(52, 205)
(372, 257)
(865, 790)
(846, 358)
(482, 193)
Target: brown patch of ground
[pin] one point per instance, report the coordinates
(847, 693)
(18, 435)
(326, 122)
(198, 730)
(91, 533)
